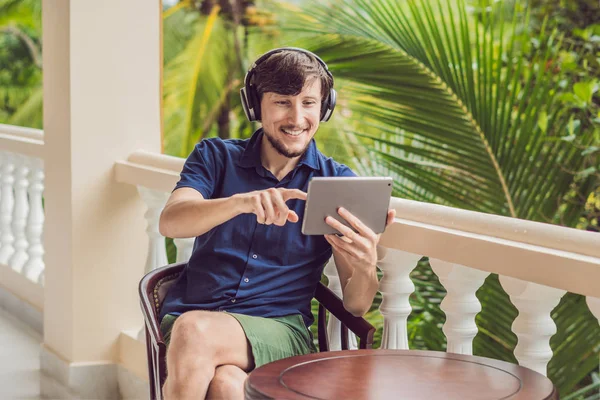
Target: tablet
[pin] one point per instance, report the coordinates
(368, 198)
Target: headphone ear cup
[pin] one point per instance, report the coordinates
(254, 102)
(245, 106)
(328, 105)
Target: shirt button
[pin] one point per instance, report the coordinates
(254, 256)
(246, 280)
(233, 300)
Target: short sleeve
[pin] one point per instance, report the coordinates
(344, 171)
(200, 170)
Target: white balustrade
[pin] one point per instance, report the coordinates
(460, 304)
(334, 326)
(34, 267)
(184, 247)
(594, 305)
(155, 201)
(20, 213)
(533, 326)
(395, 288)
(7, 202)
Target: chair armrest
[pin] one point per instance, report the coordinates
(358, 325)
(149, 309)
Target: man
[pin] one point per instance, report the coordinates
(242, 200)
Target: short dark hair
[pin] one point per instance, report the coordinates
(286, 72)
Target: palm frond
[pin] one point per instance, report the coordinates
(179, 26)
(193, 84)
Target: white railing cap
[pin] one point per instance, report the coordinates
(519, 230)
(546, 254)
(21, 131)
(20, 140)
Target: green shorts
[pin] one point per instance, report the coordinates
(270, 339)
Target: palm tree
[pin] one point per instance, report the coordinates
(202, 75)
(464, 112)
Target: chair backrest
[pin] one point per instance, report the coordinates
(153, 289)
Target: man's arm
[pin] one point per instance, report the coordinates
(355, 256)
(359, 285)
(188, 214)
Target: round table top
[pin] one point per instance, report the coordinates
(395, 374)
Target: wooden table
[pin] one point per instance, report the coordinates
(395, 374)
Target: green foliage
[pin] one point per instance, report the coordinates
(20, 63)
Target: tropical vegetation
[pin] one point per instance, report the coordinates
(490, 106)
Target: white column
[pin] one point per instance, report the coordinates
(21, 210)
(34, 267)
(184, 247)
(157, 252)
(7, 202)
(395, 288)
(460, 304)
(334, 326)
(533, 326)
(101, 103)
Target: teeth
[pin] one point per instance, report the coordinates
(293, 133)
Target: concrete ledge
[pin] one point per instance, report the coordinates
(61, 379)
(22, 310)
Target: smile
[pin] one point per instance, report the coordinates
(295, 132)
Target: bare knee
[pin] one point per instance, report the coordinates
(190, 357)
(192, 336)
(209, 339)
(228, 383)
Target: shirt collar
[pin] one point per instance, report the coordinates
(251, 155)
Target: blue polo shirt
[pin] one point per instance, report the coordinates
(242, 266)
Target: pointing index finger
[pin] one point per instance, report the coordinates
(293, 194)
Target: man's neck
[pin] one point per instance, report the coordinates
(278, 164)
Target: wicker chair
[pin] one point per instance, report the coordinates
(153, 289)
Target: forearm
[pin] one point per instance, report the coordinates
(194, 217)
(360, 291)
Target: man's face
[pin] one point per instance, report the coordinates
(290, 122)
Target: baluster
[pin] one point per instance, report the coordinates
(157, 252)
(460, 304)
(594, 305)
(334, 326)
(21, 211)
(395, 288)
(7, 202)
(533, 326)
(184, 247)
(34, 267)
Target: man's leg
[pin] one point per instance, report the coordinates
(228, 383)
(201, 341)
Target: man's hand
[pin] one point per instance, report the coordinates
(358, 249)
(269, 205)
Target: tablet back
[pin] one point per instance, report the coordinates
(368, 198)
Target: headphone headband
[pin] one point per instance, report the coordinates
(251, 99)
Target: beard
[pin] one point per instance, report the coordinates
(281, 148)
